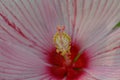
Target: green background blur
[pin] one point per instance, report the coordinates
(117, 25)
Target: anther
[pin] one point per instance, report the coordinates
(62, 41)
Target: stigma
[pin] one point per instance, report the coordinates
(62, 41)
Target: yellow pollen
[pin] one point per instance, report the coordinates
(62, 41)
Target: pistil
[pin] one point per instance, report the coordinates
(62, 43)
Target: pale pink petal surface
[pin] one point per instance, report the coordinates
(27, 28)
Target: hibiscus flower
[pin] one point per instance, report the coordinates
(59, 40)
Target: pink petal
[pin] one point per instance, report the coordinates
(105, 57)
(34, 20)
(29, 25)
(19, 27)
(19, 63)
(27, 28)
(94, 20)
(88, 76)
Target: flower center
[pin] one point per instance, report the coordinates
(62, 42)
(65, 58)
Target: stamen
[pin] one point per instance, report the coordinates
(62, 41)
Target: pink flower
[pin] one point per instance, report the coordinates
(86, 48)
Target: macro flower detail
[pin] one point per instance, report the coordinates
(59, 40)
(62, 41)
